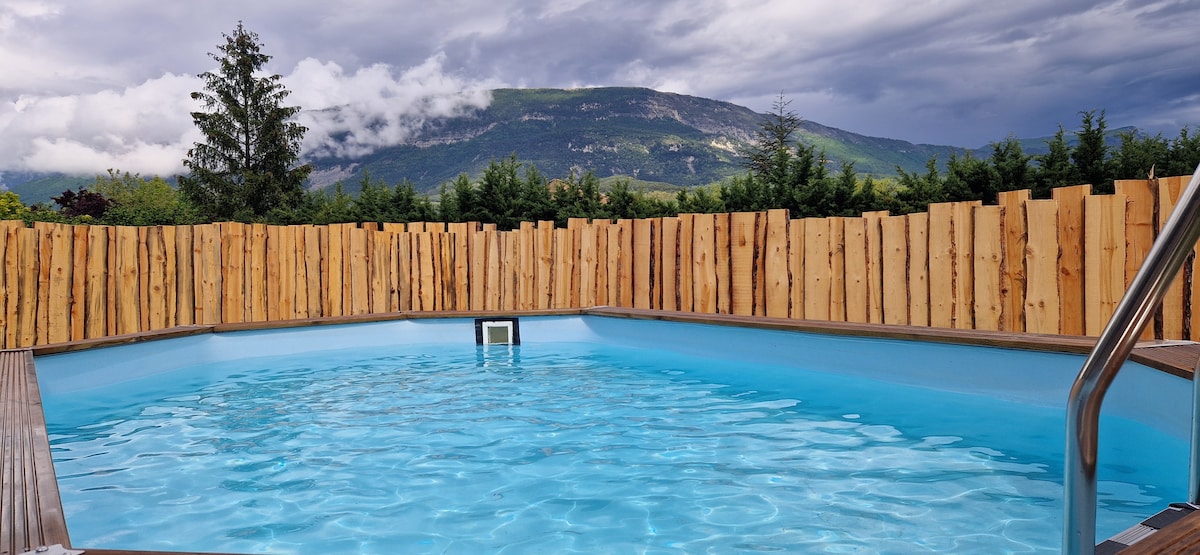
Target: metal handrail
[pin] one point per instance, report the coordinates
(1135, 310)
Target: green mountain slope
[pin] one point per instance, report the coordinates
(36, 188)
(640, 133)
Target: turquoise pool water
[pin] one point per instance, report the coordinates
(596, 435)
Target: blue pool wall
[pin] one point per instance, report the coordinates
(1142, 394)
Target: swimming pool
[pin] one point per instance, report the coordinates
(720, 438)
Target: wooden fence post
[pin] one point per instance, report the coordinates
(1104, 258)
(1042, 251)
(1070, 235)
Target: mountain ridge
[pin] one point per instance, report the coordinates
(640, 133)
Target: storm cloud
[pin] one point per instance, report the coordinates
(91, 85)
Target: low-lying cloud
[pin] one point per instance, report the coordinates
(351, 115)
(148, 128)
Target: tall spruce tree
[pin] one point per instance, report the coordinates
(247, 165)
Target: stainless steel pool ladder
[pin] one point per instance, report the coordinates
(1135, 310)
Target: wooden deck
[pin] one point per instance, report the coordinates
(32, 514)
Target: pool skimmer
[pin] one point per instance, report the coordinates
(497, 331)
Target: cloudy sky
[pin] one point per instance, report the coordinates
(96, 84)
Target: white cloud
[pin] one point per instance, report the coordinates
(349, 115)
(142, 129)
(148, 128)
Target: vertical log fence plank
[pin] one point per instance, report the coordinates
(44, 252)
(1103, 258)
(462, 274)
(255, 269)
(1139, 231)
(377, 298)
(587, 273)
(854, 233)
(776, 268)
(5, 291)
(964, 278)
(157, 295)
(894, 265)
(300, 277)
(1012, 281)
(185, 274)
(9, 281)
(288, 272)
(545, 264)
(1169, 190)
(602, 275)
(612, 256)
(510, 271)
(817, 271)
(1041, 267)
(704, 264)
(445, 248)
(348, 267)
(723, 260)
(128, 294)
(62, 265)
(312, 270)
(170, 275)
(988, 248)
(143, 257)
(526, 243)
(331, 271)
(918, 269)
(404, 270)
(479, 269)
(1070, 236)
(760, 264)
(576, 226)
(875, 266)
(13, 273)
(233, 272)
(941, 265)
(625, 264)
(274, 252)
(113, 280)
(29, 262)
(656, 264)
(837, 269)
(358, 276)
(741, 258)
(669, 263)
(492, 239)
(563, 238)
(643, 249)
(78, 281)
(796, 268)
(687, 280)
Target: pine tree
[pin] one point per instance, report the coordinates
(1054, 168)
(1090, 156)
(247, 165)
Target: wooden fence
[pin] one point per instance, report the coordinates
(1054, 266)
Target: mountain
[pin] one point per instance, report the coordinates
(35, 187)
(662, 140)
(640, 133)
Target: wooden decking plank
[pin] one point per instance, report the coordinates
(1180, 537)
(32, 513)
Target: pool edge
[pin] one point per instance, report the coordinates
(25, 411)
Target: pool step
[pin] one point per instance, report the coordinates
(1145, 529)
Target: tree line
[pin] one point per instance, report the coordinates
(248, 169)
